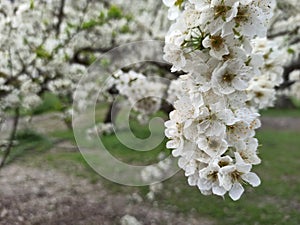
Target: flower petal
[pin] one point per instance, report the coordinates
(236, 191)
(251, 178)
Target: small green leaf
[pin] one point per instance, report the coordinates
(31, 4)
(42, 53)
(89, 24)
(291, 51)
(179, 3)
(114, 12)
(125, 29)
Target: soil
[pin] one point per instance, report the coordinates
(32, 196)
(281, 123)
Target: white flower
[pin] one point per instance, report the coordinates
(31, 101)
(174, 131)
(237, 100)
(213, 122)
(201, 5)
(217, 45)
(229, 77)
(210, 177)
(250, 20)
(217, 14)
(174, 55)
(213, 146)
(174, 91)
(248, 151)
(175, 36)
(173, 12)
(238, 131)
(295, 75)
(191, 16)
(187, 109)
(210, 180)
(232, 175)
(261, 93)
(200, 78)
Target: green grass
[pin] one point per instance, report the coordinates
(50, 103)
(296, 102)
(281, 112)
(120, 151)
(63, 135)
(28, 142)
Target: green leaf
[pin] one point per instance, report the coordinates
(42, 53)
(291, 51)
(89, 24)
(114, 12)
(179, 3)
(101, 17)
(31, 4)
(125, 29)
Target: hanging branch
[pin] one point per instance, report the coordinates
(294, 65)
(12, 137)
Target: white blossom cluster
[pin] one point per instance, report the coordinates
(285, 31)
(295, 89)
(16, 85)
(100, 129)
(143, 94)
(41, 46)
(48, 45)
(35, 52)
(284, 27)
(156, 172)
(261, 91)
(212, 128)
(174, 91)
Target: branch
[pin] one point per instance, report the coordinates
(77, 59)
(60, 16)
(106, 3)
(284, 32)
(294, 65)
(295, 41)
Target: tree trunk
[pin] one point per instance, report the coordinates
(11, 138)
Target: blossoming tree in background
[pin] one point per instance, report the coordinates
(284, 31)
(47, 46)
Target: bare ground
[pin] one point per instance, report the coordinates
(281, 123)
(34, 196)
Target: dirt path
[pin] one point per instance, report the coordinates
(281, 123)
(32, 196)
